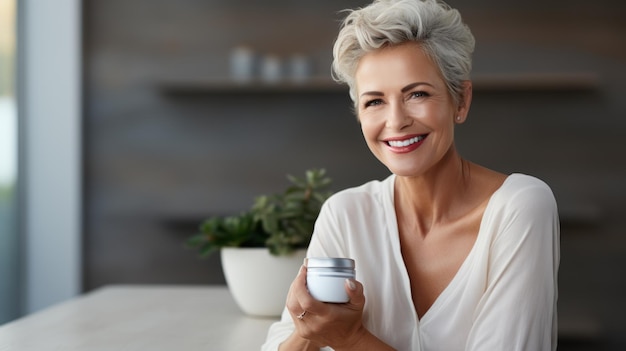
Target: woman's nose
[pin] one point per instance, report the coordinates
(397, 117)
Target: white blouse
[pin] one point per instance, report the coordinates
(503, 296)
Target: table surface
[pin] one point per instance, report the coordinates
(139, 318)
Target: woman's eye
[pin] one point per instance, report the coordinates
(373, 102)
(419, 94)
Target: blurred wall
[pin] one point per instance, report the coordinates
(158, 160)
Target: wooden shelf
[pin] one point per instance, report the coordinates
(514, 82)
(537, 82)
(194, 87)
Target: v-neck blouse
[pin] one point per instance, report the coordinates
(503, 297)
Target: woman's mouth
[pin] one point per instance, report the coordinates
(406, 145)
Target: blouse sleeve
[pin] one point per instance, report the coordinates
(518, 308)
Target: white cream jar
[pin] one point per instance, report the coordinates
(326, 277)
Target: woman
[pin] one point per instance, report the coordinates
(450, 255)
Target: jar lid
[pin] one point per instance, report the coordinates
(329, 262)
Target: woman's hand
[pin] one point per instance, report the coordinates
(327, 324)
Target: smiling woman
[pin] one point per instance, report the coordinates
(8, 165)
(449, 255)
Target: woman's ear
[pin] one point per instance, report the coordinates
(464, 102)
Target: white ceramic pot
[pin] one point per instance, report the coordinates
(258, 280)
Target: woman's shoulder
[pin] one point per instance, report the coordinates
(372, 191)
(521, 191)
(524, 183)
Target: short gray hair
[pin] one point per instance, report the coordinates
(433, 24)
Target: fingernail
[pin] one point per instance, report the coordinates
(351, 284)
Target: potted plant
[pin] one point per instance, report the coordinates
(262, 248)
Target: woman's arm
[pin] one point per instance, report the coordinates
(363, 341)
(295, 342)
(366, 341)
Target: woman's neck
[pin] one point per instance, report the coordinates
(434, 197)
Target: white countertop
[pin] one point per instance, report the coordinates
(140, 317)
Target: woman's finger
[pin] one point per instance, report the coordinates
(354, 288)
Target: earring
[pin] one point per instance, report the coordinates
(458, 118)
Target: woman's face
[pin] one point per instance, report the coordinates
(406, 113)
